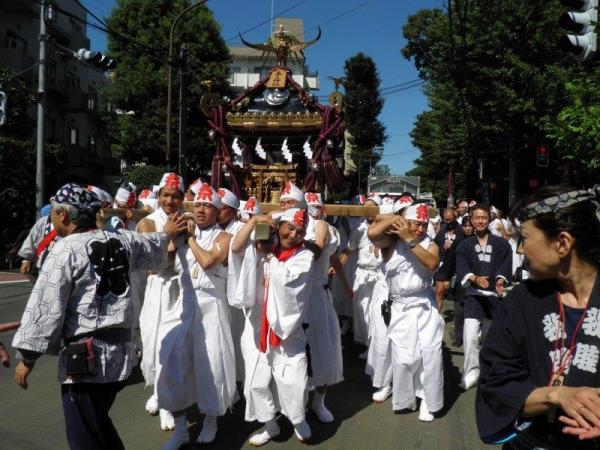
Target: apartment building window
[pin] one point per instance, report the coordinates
(92, 101)
(72, 80)
(72, 132)
(14, 41)
(92, 144)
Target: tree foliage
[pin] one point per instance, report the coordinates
(18, 158)
(381, 170)
(495, 81)
(576, 129)
(144, 175)
(363, 104)
(139, 82)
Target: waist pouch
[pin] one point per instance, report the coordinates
(79, 358)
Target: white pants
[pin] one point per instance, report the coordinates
(364, 284)
(280, 383)
(160, 313)
(471, 334)
(379, 357)
(416, 331)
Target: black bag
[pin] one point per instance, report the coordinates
(79, 358)
(386, 311)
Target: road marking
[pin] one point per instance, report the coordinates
(14, 281)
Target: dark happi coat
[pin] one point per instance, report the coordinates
(518, 356)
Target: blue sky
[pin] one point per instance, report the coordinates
(349, 26)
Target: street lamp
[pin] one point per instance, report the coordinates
(170, 80)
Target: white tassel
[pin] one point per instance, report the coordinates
(236, 147)
(307, 150)
(286, 151)
(260, 151)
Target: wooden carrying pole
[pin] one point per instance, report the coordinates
(332, 210)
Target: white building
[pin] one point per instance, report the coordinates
(248, 65)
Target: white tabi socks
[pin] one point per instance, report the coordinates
(166, 420)
(382, 394)
(152, 405)
(209, 430)
(424, 414)
(180, 436)
(271, 430)
(318, 406)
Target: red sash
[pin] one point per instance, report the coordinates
(265, 329)
(45, 242)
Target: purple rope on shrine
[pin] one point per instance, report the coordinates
(323, 155)
(222, 156)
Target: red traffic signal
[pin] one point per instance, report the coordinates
(542, 156)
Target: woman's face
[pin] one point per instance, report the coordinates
(468, 229)
(541, 256)
(290, 234)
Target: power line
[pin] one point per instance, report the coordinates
(339, 16)
(268, 20)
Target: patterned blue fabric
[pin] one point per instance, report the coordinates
(78, 196)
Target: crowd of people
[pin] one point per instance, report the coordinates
(226, 296)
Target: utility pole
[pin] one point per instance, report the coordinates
(39, 165)
(170, 74)
(182, 115)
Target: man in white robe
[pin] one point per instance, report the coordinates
(323, 332)
(368, 273)
(198, 356)
(274, 284)
(227, 220)
(162, 308)
(416, 327)
(379, 357)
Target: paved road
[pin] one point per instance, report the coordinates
(32, 419)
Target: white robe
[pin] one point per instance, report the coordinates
(288, 294)
(368, 273)
(197, 356)
(236, 315)
(160, 312)
(416, 331)
(379, 358)
(323, 332)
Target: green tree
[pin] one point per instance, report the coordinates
(381, 170)
(576, 129)
(363, 104)
(139, 82)
(144, 175)
(495, 80)
(17, 159)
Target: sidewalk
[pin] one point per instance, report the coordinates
(12, 277)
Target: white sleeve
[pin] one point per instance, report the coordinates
(42, 321)
(290, 284)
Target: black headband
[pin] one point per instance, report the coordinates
(552, 204)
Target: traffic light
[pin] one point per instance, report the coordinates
(98, 59)
(542, 156)
(2, 108)
(581, 21)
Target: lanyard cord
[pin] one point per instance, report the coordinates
(561, 333)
